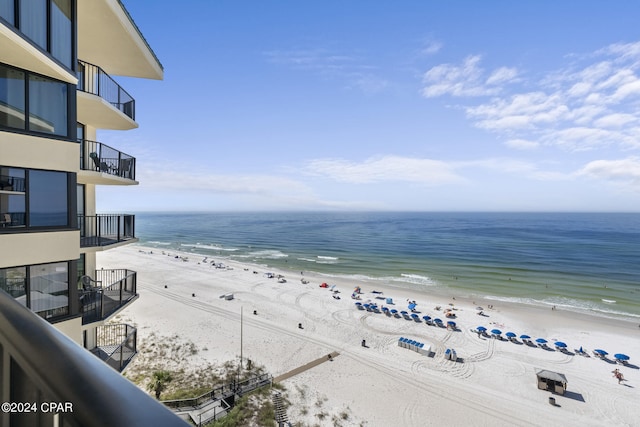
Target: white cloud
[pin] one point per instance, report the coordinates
(522, 144)
(466, 79)
(625, 170)
(521, 111)
(431, 47)
(502, 75)
(389, 169)
(623, 51)
(590, 104)
(615, 120)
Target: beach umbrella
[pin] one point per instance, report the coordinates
(496, 331)
(541, 341)
(437, 320)
(404, 313)
(560, 344)
(481, 328)
(510, 335)
(426, 318)
(415, 316)
(600, 352)
(479, 308)
(412, 306)
(621, 356)
(394, 311)
(525, 337)
(450, 323)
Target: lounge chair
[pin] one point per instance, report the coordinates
(99, 166)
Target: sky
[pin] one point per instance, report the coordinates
(385, 106)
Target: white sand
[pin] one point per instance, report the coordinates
(385, 385)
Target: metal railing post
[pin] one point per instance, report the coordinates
(98, 225)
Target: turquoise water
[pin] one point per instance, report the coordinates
(584, 262)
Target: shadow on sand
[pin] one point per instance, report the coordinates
(573, 395)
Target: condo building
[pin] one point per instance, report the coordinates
(58, 59)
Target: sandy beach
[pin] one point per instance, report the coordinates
(383, 384)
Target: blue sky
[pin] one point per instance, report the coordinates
(380, 105)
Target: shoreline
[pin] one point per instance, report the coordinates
(436, 290)
(381, 384)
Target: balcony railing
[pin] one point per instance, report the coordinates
(111, 290)
(12, 183)
(98, 157)
(105, 230)
(116, 345)
(92, 79)
(41, 365)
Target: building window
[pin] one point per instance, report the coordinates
(14, 282)
(48, 199)
(81, 268)
(33, 21)
(62, 31)
(49, 289)
(43, 288)
(12, 96)
(34, 198)
(80, 132)
(47, 23)
(12, 198)
(49, 107)
(7, 11)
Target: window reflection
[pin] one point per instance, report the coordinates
(14, 281)
(49, 289)
(42, 288)
(12, 198)
(7, 11)
(12, 98)
(61, 24)
(33, 21)
(47, 105)
(48, 198)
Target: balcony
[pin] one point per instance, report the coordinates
(116, 345)
(108, 162)
(41, 364)
(102, 103)
(111, 291)
(106, 230)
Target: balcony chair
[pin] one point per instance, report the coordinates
(99, 166)
(7, 185)
(5, 220)
(125, 168)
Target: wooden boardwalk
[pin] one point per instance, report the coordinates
(306, 367)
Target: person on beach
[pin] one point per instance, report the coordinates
(618, 375)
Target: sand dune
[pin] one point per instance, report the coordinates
(383, 384)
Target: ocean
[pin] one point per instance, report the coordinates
(587, 262)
